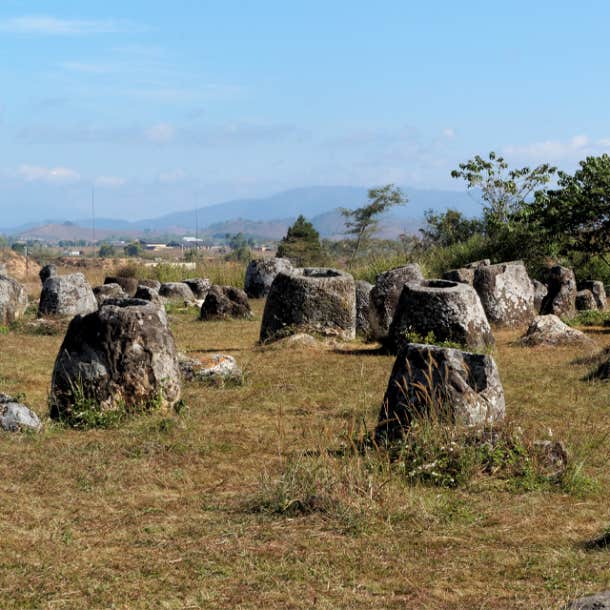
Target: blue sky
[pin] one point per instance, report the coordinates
(166, 106)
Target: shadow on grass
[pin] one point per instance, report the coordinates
(214, 350)
(600, 543)
(369, 351)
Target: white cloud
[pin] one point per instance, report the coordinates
(172, 177)
(160, 133)
(554, 150)
(54, 175)
(53, 26)
(109, 181)
(449, 133)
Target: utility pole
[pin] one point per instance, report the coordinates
(196, 229)
(93, 213)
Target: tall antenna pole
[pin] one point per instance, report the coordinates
(93, 213)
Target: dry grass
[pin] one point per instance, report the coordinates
(166, 512)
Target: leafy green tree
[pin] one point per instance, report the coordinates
(133, 249)
(362, 222)
(503, 190)
(301, 244)
(448, 228)
(106, 251)
(240, 247)
(576, 215)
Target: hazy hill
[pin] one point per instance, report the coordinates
(311, 202)
(265, 218)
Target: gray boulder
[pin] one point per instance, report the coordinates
(465, 274)
(46, 272)
(363, 293)
(199, 287)
(315, 300)
(128, 284)
(462, 275)
(506, 293)
(540, 291)
(385, 295)
(121, 357)
(597, 290)
(585, 301)
(599, 601)
(225, 302)
(450, 310)
(215, 368)
(13, 300)
(261, 273)
(561, 297)
(177, 292)
(449, 385)
(16, 417)
(550, 330)
(66, 295)
(146, 293)
(155, 284)
(108, 291)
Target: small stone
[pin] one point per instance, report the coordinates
(550, 330)
(212, 368)
(600, 601)
(16, 417)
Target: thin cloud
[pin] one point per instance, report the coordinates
(160, 133)
(53, 175)
(554, 150)
(172, 177)
(109, 181)
(53, 26)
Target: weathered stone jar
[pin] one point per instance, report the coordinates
(121, 357)
(311, 300)
(261, 273)
(384, 297)
(506, 292)
(450, 310)
(13, 300)
(561, 297)
(449, 385)
(66, 295)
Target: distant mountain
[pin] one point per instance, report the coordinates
(69, 231)
(267, 217)
(311, 202)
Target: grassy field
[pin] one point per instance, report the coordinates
(184, 510)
